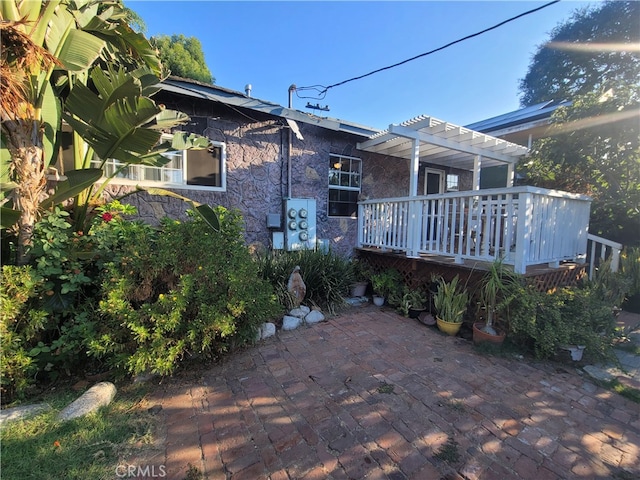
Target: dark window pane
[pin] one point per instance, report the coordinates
(203, 167)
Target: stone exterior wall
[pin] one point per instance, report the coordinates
(256, 154)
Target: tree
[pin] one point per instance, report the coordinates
(183, 57)
(78, 61)
(594, 149)
(591, 52)
(593, 144)
(47, 47)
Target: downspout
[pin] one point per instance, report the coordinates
(292, 89)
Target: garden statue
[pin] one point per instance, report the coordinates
(296, 287)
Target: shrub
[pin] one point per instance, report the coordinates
(21, 324)
(542, 322)
(327, 276)
(182, 290)
(387, 283)
(46, 308)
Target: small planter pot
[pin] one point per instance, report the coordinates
(378, 301)
(482, 337)
(359, 289)
(450, 328)
(415, 312)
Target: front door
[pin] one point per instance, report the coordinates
(433, 181)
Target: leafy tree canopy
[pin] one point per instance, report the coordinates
(592, 146)
(183, 57)
(591, 52)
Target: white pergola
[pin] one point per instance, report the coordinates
(442, 143)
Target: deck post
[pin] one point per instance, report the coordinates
(360, 225)
(523, 232)
(414, 228)
(510, 175)
(415, 166)
(477, 165)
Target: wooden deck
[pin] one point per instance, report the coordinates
(419, 271)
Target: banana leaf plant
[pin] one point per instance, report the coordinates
(118, 120)
(46, 47)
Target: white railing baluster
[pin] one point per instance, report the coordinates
(608, 250)
(522, 225)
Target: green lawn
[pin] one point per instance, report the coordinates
(89, 447)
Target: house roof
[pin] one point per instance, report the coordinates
(519, 125)
(442, 143)
(214, 93)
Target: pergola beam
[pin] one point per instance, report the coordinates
(450, 144)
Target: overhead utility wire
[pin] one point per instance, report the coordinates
(324, 91)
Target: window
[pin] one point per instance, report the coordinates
(345, 177)
(187, 169)
(452, 182)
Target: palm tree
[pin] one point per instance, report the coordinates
(48, 49)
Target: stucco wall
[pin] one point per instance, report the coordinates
(256, 152)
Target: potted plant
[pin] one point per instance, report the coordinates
(451, 304)
(360, 272)
(497, 291)
(413, 302)
(385, 284)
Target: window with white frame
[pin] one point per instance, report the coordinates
(452, 182)
(203, 169)
(345, 179)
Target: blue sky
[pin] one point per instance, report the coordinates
(272, 45)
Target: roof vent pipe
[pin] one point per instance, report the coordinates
(247, 89)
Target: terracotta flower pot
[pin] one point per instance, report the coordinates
(450, 328)
(482, 337)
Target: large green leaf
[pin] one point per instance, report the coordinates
(76, 182)
(169, 118)
(114, 84)
(79, 50)
(85, 15)
(186, 141)
(5, 162)
(9, 10)
(51, 116)
(209, 216)
(139, 142)
(204, 210)
(8, 217)
(128, 113)
(42, 13)
(60, 24)
(83, 103)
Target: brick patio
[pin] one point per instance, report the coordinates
(370, 394)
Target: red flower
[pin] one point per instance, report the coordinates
(107, 217)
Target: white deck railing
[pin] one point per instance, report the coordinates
(522, 225)
(600, 249)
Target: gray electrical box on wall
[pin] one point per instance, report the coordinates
(299, 223)
(273, 220)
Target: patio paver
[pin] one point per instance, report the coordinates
(370, 394)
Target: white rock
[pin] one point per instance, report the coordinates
(314, 316)
(267, 330)
(24, 411)
(100, 395)
(300, 312)
(290, 323)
